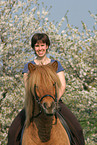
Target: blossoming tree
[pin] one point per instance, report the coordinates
(77, 52)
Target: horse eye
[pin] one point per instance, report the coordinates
(54, 84)
(35, 86)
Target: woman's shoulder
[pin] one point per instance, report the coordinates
(60, 67)
(25, 70)
(52, 60)
(26, 65)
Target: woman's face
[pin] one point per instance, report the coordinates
(40, 49)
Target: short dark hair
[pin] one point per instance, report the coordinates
(40, 37)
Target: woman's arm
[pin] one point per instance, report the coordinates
(63, 83)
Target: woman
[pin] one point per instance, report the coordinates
(40, 43)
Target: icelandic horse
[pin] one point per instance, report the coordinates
(42, 126)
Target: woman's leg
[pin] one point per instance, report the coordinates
(72, 123)
(15, 129)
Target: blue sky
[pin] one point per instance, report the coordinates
(78, 11)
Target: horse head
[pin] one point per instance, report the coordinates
(43, 84)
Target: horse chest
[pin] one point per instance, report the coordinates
(35, 136)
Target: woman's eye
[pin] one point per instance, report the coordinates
(36, 45)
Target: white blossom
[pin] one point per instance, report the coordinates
(75, 50)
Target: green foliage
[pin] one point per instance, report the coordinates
(77, 52)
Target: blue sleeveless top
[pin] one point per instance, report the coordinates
(60, 68)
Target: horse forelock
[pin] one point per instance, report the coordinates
(43, 76)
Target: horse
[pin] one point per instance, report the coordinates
(42, 126)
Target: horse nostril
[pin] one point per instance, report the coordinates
(52, 105)
(45, 105)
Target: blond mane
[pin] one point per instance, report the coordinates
(43, 76)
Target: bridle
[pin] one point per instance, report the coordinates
(47, 95)
(39, 100)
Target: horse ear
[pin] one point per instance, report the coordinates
(55, 65)
(31, 67)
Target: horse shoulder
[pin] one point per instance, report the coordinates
(59, 134)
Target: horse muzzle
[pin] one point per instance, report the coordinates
(49, 108)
